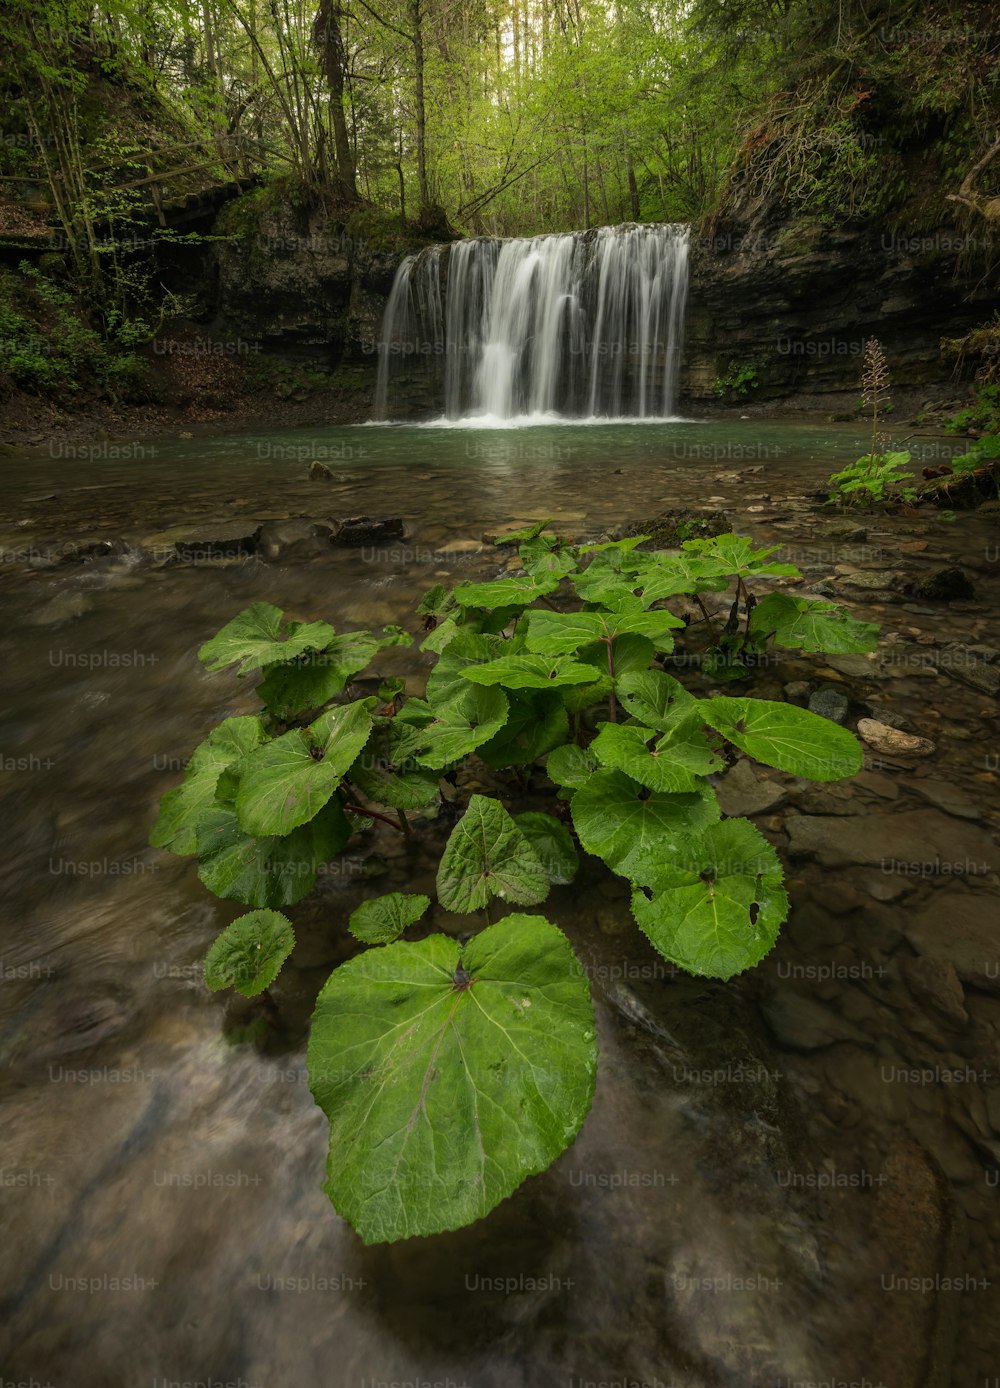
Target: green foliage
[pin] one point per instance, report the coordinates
(877, 480)
(737, 381)
(449, 1072)
(248, 955)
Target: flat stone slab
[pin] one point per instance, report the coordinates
(961, 928)
(916, 844)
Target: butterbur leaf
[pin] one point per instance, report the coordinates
(444, 634)
(253, 638)
(488, 856)
(384, 918)
(553, 843)
(811, 625)
(517, 537)
(535, 724)
(267, 871)
(466, 651)
(284, 783)
(437, 737)
(662, 761)
(493, 1082)
(532, 672)
(562, 633)
(506, 592)
(718, 901)
(386, 775)
(436, 602)
(571, 765)
(786, 737)
(736, 557)
(182, 809)
(654, 698)
(248, 955)
(316, 677)
(632, 828)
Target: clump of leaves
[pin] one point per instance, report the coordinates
(738, 380)
(878, 478)
(450, 1072)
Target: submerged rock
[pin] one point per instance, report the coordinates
(830, 703)
(892, 740)
(945, 584)
(319, 472)
(358, 531)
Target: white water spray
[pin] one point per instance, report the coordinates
(586, 324)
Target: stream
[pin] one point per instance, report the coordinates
(789, 1179)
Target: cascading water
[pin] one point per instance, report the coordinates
(586, 324)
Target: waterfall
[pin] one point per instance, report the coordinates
(580, 325)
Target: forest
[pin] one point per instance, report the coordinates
(500, 117)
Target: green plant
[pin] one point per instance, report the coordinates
(738, 380)
(877, 477)
(449, 1072)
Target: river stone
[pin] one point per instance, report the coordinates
(935, 984)
(797, 692)
(961, 663)
(854, 665)
(319, 471)
(892, 741)
(963, 929)
(805, 1024)
(293, 538)
(946, 797)
(65, 607)
(916, 843)
(945, 584)
(743, 792)
(830, 703)
(363, 531)
(875, 579)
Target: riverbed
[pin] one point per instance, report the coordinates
(789, 1178)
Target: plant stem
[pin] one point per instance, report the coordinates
(375, 814)
(612, 701)
(404, 824)
(704, 613)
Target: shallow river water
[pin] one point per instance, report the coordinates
(785, 1180)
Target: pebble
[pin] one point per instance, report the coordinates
(891, 740)
(831, 704)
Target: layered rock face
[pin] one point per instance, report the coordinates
(797, 300)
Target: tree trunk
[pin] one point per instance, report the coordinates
(417, 33)
(330, 43)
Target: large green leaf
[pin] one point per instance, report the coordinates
(571, 766)
(438, 737)
(786, 737)
(383, 919)
(449, 1075)
(466, 651)
(253, 638)
(182, 809)
(562, 633)
(734, 556)
(532, 672)
(506, 592)
(248, 955)
(385, 774)
(671, 761)
(544, 557)
(316, 677)
(267, 871)
(634, 829)
(654, 698)
(285, 782)
(553, 843)
(487, 856)
(536, 723)
(811, 625)
(718, 902)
